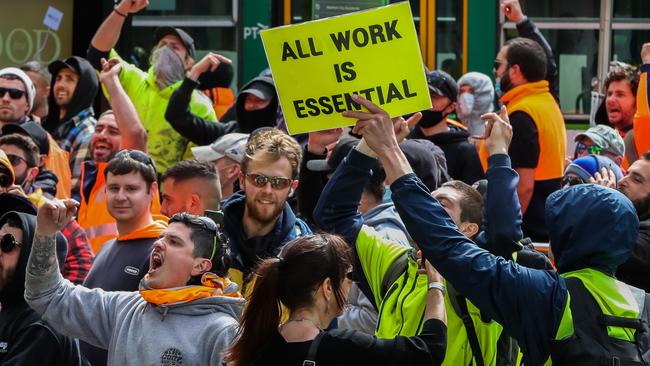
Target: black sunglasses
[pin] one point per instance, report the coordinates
(260, 180)
(13, 93)
(16, 159)
(8, 243)
(497, 64)
(138, 156)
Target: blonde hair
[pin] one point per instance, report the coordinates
(271, 145)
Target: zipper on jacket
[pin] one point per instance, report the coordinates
(401, 308)
(383, 301)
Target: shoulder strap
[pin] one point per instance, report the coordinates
(459, 303)
(310, 360)
(630, 147)
(394, 271)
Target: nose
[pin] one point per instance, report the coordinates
(267, 188)
(158, 244)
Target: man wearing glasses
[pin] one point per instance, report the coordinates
(122, 262)
(22, 153)
(600, 140)
(16, 96)
(257, 220)
(182, 313)
(25, 339)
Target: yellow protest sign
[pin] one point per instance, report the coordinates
(317, 66)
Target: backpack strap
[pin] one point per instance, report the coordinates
(460, 307)
(396, 269)
(310, 360)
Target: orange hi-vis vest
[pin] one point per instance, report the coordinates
(222, 99)
(641, 117)
(535, 100)
(58, 162)
(93, 213)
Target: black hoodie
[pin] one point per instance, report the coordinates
(463, 162)
(82, 98)
(25, 339)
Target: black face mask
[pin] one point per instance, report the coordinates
(432, 118)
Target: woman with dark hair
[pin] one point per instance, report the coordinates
(311, 278)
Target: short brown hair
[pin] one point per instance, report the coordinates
(628, 73)
(129, 161)
(274, 144)
(25, 144)
(471, 205)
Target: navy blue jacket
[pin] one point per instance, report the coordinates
(592, 227)
(287, 228)
(337, 212)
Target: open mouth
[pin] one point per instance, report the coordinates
(155, 261)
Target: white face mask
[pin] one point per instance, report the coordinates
(465, 104)
(168, 67)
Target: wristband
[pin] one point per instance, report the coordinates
(118, 13)
(438, 286)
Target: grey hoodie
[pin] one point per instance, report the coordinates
(360, 314)
(134, 331)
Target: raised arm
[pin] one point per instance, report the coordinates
(502, 289)
(134, 136)
(72, 310)
(642, 116)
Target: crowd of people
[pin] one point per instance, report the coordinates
(171, 229)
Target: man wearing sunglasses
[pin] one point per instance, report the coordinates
(16, 96)
(182, 313)
(600, 140)
(22, 153)
(257, 220)
(26, 339)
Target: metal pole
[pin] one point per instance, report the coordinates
(604, 40)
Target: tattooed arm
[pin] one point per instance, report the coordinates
(72, 310)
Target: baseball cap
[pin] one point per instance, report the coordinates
(339, 152)
(188, 42)
(442, 84)
(260, 89)
(29, 85)
(32, 129)
(420, 154)
(232, 145)
(605, 137)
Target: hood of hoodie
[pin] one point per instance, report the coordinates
(82, 97)
(233, 210)
(46, 181)
(385, 215)
(247, 121)
(590, 227)
(453, 136)
(151, 231)
(15, 289)
(231, 306)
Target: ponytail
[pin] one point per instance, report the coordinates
(261, 316)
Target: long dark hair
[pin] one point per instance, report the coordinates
(289, 280)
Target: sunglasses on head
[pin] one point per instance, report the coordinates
(593, 149)
(572, 180)
(13, 93)
(208, 225)
(260, 180)
(138, 156)
(8, 243)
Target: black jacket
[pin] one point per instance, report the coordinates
(463, 162)
(204, 132)
(25, 339)
(46, 180)
(528, 29)
(636, 270)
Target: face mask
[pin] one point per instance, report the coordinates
(465, 104)
(431, 118)
(168, 67)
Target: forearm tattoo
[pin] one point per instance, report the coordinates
(42, 259)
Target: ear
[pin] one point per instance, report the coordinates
(32, 174)
(201, 265)
(294, 186)
(517, 75)
(328, 291)
(234, 171)
(618, 160)
(41, 159)
(195, 203)
(154, 192)
(468, 229)
(242, 181)
(450, 109)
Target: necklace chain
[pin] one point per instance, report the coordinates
(304, 320)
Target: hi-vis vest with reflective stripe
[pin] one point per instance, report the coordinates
(535, 100)
(58, 162)
(93, 214)
(614, 298)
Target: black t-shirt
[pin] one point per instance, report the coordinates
(524, 152)
(348, 347)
